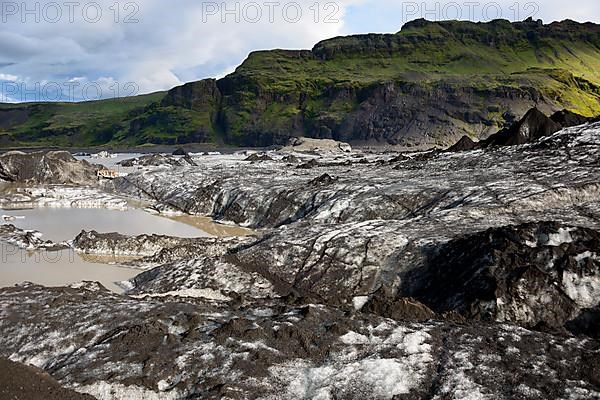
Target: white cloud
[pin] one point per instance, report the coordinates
(183, 40)
(173, 41)
(8, 77)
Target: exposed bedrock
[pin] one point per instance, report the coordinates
(115, 347)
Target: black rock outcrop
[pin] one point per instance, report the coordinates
(180, 151)
(464, 144)
(538, 275)
(532, 127)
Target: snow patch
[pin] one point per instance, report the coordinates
(410, 342)
(354, 338)
(562, 236)
(117, 391)
(584, 290)
(379, 378)
(168, 384)
(553, 239)
(579, 393)
(359, 302)
(192, 293)
(585, 255)
(460, 387)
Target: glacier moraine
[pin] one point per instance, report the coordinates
(435, 275)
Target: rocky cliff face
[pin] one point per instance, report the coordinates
(433, 83)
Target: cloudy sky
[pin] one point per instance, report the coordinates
(73, 50)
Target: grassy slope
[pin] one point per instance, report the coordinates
(483, 56)
(272, 88)
(431, 52)
(75, 124)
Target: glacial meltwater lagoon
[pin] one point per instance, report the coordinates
(64, 224)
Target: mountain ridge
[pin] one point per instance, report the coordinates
(429, 84)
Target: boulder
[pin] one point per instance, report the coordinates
(464, 144)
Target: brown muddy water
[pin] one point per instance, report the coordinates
(63, 224)
(57, 269)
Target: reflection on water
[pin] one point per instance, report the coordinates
(56, 268)
(111, 259)
(61, 224)
(209, 226)
(64, 224)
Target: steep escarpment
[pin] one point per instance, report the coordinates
(187, 114)
(429, 84)
(91, 123)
